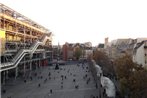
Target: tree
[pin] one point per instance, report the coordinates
(102, 60)
(78, 53)
(124, 66)
(132, 77)
(83, 52)
(138, 84)
(90, 57)
(124, 69)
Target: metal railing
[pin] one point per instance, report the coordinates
(22, 52)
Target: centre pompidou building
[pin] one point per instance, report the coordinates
(24, 44)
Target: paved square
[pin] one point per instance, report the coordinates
(62, 82)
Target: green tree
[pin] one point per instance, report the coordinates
(83, 52)
(78, 53)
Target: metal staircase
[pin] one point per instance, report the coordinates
(22, 52)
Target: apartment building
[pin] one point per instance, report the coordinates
(136, 48)
(140, 53)
(69, 49)
(120, 47)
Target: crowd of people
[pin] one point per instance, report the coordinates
(64, 74)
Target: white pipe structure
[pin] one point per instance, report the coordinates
(109, 86)
(99, 70)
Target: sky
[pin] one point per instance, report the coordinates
(86, 20)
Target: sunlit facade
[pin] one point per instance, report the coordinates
(24, 44)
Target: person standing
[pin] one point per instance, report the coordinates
(39, 85)
(51, 91)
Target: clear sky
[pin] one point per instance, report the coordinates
(86, 20)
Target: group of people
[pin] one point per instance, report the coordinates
(63, 74)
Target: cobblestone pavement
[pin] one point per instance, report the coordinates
(70, 81)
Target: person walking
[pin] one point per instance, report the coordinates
(49, 74)
(39, 85)
(25, 81)
(4, 91)
(61, 86)
(51, 91)
(45, 80)
(31, 78)
(74, 80)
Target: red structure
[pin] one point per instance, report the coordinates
(64, 49)
(44, 62)
(68, 51)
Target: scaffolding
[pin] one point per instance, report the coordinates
(19, 33)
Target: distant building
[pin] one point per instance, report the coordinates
(88, 52)
(56, 52)
(140, 53)
(136, 48)
(69, 48)
(64, 49)
(101, 47)
(120, 47)
(106, 43)
(68, 51)
(88, 44)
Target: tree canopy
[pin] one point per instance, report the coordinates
(78, 52)
(102, 60)
(132, 77)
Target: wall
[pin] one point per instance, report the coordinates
(69, 54)
(88, 52)
(64, 49)
(139, 56)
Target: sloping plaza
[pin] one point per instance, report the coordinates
(69, 81)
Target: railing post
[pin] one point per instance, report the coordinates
(39, 63)
(7, 72)
(30, 68)
(24, 70)
(30, 64)
(4, 78)
(16, 72)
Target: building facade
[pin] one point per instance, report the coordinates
(136, 48)
(25, 45)
(69, 50)
(140, 54)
